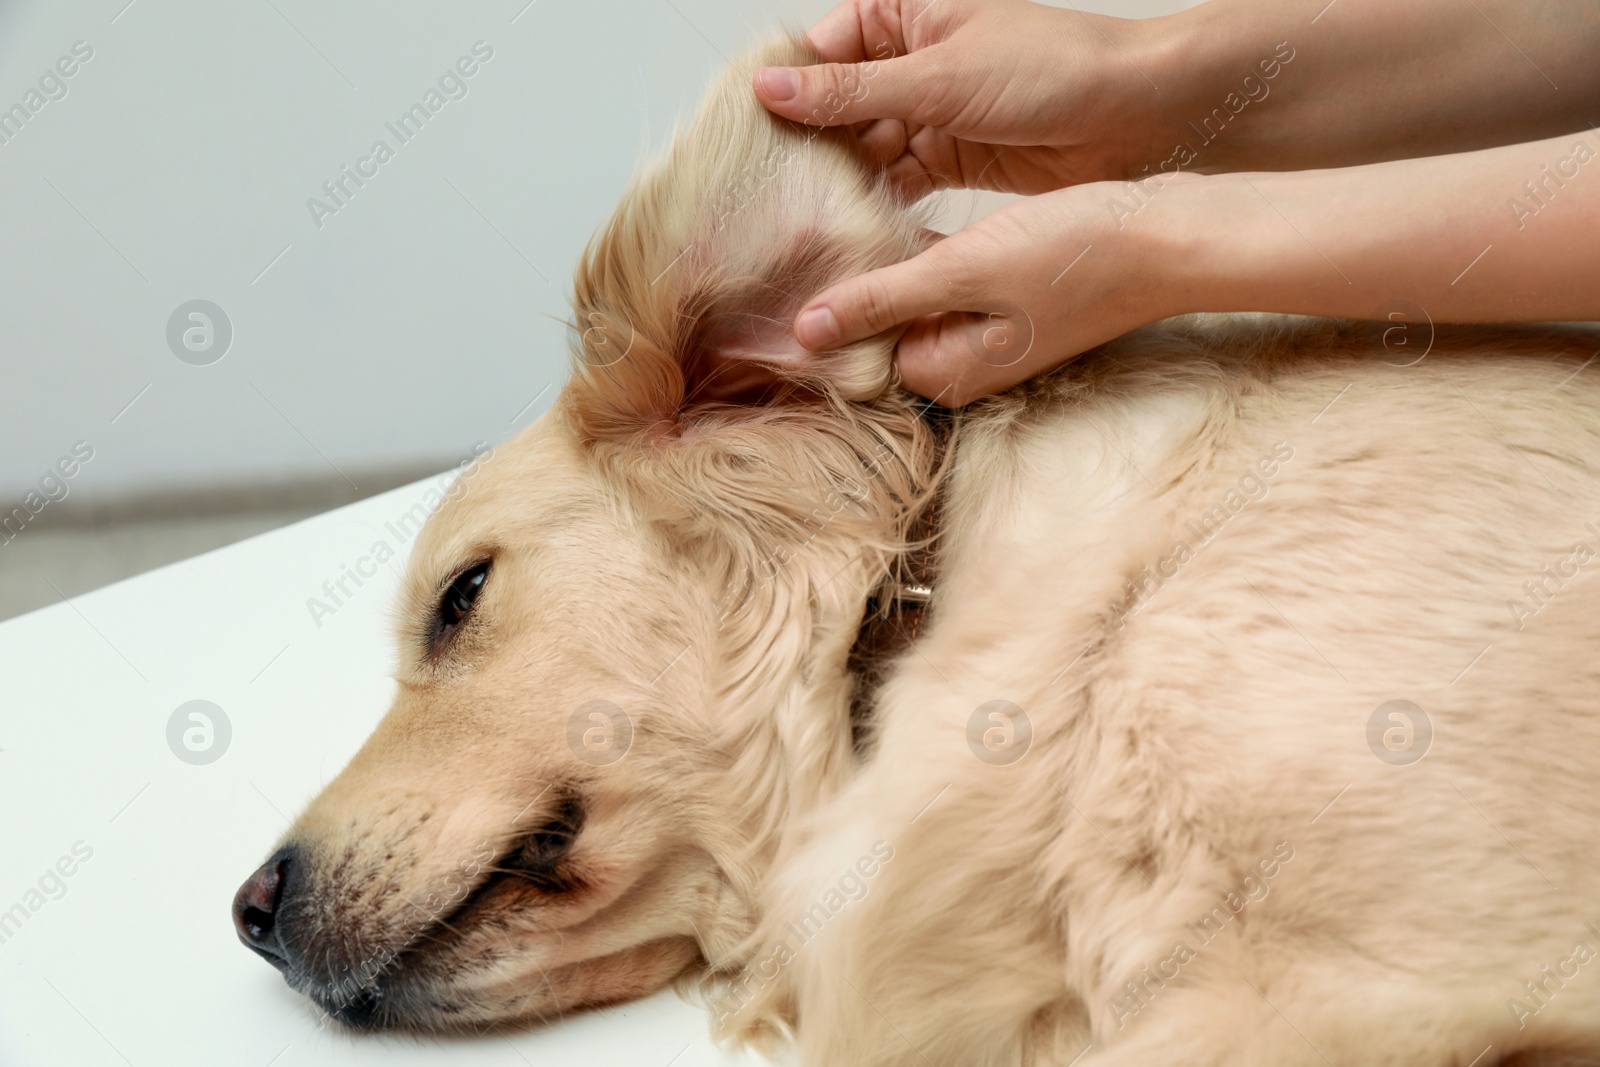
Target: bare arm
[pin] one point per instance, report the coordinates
(1017, 96)
(1371, 80)
(1219, 115)
(1501, 234)
(1497, 235)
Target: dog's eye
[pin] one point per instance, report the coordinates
(458, 599)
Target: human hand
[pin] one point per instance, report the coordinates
(992, 94)
(1014, 294)
(1036, 283)
(1011, 96)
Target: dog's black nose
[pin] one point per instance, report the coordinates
(258, 904)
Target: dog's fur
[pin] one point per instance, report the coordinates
(1199, 772)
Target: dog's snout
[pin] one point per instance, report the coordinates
(258, 907)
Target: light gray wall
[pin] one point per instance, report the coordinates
(421, 317)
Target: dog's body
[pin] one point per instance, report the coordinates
(1137, 788)
(1200, 580)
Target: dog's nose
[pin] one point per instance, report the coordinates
(258, 904)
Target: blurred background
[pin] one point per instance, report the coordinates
(226, 308)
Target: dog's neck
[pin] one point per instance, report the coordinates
(897, 611)
(806, 642)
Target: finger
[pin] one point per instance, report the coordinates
(858, 30)
(836, 94)
(930, 365)
(934, 160)
(936, 358)
(912, 181)
(837, 35)
(882, 141)
(871, 303)
(954, 161)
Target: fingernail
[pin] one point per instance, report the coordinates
(779, 83)
(816, 328)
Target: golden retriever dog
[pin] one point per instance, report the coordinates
(1252, 719)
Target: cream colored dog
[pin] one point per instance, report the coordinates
(1254, 721)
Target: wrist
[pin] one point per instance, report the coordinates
(1179, 60)
(1152, 89)
(1213, 243)
(1216, 66)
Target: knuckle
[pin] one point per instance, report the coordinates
(833, 89)
(940, 100)
(874, 306)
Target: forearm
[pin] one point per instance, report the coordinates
(1510, 233)
(1368, 80)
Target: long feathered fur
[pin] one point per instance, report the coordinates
(797, 502)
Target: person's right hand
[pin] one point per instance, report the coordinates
(1020, 291)
(980, 94)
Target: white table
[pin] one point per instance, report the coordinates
(132, 959)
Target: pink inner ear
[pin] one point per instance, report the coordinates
(750, 335)
(745, 342)
(754, 336)
(744, 354)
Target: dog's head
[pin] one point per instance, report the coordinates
(623, 633)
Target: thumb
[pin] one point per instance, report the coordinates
(879, 300)
(837, 94)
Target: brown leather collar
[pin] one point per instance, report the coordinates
(896, 612)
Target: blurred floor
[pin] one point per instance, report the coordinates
(66, 554)
(42, 566)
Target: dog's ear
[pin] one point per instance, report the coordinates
(685, 301)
